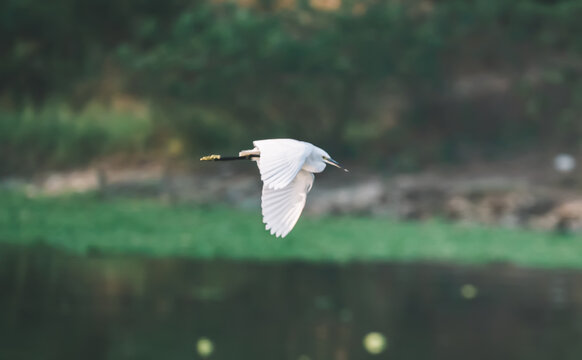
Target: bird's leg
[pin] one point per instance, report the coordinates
(227, 158)
(243, 155)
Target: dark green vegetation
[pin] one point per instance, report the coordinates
(372, 77)
(56, 137)
(85, 224)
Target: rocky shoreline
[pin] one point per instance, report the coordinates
(536, 199)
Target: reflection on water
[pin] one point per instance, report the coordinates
(58, 306)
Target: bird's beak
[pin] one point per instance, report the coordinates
(334, 163)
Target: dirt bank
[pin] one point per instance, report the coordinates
(520, 192)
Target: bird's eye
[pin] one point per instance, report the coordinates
(324, 157)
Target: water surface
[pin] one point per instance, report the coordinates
(60, 306)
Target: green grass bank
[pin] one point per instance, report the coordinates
(84, 223)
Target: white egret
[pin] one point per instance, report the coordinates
(287, 167)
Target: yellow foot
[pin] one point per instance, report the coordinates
(210, 157)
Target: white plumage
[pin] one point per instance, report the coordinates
(286, 168)
(282, 207)
(280, 160)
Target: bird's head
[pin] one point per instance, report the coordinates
(328, 160)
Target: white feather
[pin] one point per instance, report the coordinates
(286, 168)
(282, 207)
(281, 160)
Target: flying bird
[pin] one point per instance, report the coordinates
(287, 167)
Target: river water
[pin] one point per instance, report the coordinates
(59, 306)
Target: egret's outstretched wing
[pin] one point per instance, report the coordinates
(281, 160)
(282, 207)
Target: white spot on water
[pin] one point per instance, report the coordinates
(205, 347)
(375, 342)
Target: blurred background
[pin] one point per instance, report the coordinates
(455, 234)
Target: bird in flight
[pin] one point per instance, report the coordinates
(287, 167)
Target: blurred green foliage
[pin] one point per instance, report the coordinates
(56, 136)
(412, 81)
(56, 48)
(136, 226)
(298, 73)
